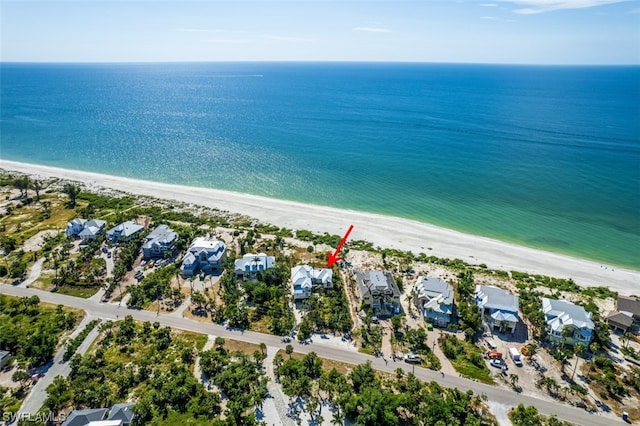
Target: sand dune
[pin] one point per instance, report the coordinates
(382, 230)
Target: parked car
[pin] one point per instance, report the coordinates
(411, 358)
(494, 355)
(496, 362)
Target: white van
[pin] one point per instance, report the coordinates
(515, 356)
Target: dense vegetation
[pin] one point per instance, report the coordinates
(366, 398)
(152, 363)
(29, 331)
(239, 377)
(74, 344)
(528, 416)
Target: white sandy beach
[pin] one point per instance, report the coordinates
(383, 231)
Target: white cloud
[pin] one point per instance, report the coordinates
(488, 5)
(207, 31)
(286, 38)
(372, 30)
(540, 6)
(225, 40)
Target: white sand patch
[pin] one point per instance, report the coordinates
(501, 412)
(34, 243)
(384, 231)
(331, 340)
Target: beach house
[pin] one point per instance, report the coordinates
(498, 307)
(75, 226)
(118, 415)
(124, 231)
(567, 322)
(626, 313)
(304, 278)
(87, 230)
(434, 299)
(379, 291)
(203, 255)
(159, 243)
(250, 264)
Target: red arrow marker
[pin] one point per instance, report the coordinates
(333, 257)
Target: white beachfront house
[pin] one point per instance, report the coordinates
(124, 231)
(305, 277)
(379, 290)
(567, 322)
(204, 254)
(159, 242)
(75, 227)
(498, 307)
(434, 298)
(87, 230)
(250, 264)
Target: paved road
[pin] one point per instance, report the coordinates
(34, 273)
(504, 396)
(34, 400)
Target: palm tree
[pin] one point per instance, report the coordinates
(263, 349)
(289, 350)
(37, 186)
(513, 378)
(566, 333)
(578, 349)
(337, 419)
(72, 191)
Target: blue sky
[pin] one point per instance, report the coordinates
(488, 31)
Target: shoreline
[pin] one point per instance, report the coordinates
(383, 231)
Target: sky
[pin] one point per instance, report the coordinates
(483, 31)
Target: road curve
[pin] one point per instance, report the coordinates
(494, 393)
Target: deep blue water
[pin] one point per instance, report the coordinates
(542, 156)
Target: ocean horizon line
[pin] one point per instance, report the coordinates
(328, 61)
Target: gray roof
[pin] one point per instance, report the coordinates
(122, 412)
(496, 298)
(620, 319)
(567, 313)
(161, 235)
(84, 417)
(380, 281)
(4, 354)
(629, 304)
(125, 229)
(433, 287)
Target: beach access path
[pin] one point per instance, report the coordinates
(107, 311)
(383, 231)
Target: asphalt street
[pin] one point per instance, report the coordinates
(493, 393)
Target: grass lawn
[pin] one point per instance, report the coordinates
(83, 292)
(466, 358)
(327, 364)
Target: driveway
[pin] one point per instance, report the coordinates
(34, 400)
(34, 273)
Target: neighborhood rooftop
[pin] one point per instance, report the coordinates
(496, 298)
(431, 288)
(564, 313)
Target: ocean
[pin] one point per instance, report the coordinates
(541, 156)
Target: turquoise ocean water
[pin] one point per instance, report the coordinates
(547, 157)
